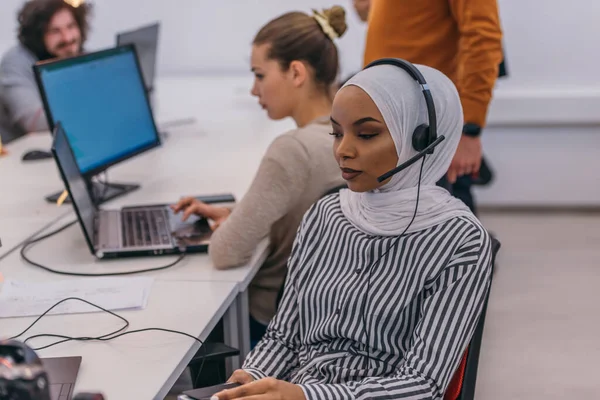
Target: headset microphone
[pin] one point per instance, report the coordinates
(412, 160)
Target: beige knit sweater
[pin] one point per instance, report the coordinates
(297, 169)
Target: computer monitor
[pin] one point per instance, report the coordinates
(145, 39)
(103, 107)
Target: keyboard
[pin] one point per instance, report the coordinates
(60, 391)
(145, 227)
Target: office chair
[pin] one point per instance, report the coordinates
(462, 384)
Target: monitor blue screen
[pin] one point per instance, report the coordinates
(101, 103)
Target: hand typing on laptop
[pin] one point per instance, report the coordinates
(268, 388)
(190, 205)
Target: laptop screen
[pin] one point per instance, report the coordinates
(101, 102)
(74, 183)
(145, 40)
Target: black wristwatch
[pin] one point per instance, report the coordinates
(472, 130)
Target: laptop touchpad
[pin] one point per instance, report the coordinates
(194, 231)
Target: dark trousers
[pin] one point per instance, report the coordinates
(461, 189)
(257, 331)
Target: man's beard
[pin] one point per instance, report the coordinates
(44, 54)
(65, 45)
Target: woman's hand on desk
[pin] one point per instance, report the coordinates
(264, 389)
(191, 205)
(240, 376)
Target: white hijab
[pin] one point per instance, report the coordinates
(387, 211)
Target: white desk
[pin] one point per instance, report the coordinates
(187, 163)
(221, 153)
(167, 165)
(142, 365)
(68, 251)
(14, 230)
(23, 186)
(218, 155)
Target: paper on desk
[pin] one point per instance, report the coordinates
(21, 299)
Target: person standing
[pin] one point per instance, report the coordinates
(460, 38)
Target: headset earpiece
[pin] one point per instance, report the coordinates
(424, 134)
(420, 137)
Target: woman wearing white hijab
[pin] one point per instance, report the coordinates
(377, 307)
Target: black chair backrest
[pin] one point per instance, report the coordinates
(470, 376)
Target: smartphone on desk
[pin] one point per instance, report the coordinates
(206, 393)
(217, 198)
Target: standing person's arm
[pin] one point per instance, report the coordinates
(362, 8)
(480, 53)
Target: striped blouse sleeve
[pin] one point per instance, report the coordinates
(454, 300)
(276, 355)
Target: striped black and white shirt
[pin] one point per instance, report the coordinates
(399, 337)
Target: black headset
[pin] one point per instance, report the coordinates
(424, 134)
(425, 137)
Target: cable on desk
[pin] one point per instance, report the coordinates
(33, 241)
(104, 338)
(66, 337)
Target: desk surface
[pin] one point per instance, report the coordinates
(13, 230)
(23, 186)
(68, 252)
(218, 154)
(142, 365)
(174, 170)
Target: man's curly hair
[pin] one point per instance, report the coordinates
(34, 18)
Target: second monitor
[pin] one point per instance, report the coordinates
(145, 39)
(101, 100)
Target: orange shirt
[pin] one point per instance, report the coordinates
(461, 38)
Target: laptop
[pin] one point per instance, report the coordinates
(145, 40)
(131, 231)
(62, 375)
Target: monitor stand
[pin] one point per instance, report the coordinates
(101, 192)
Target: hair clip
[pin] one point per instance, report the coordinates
(74, 3)
(325, 25)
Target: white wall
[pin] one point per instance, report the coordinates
(543, 133)
(197, 35)
(551, 44)
(552, 59)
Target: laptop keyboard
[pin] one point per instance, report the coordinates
(143, 228)
(60, 391)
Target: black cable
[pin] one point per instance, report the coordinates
(106, 337)
(57, 304)
(364, 305)
(33, 241)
